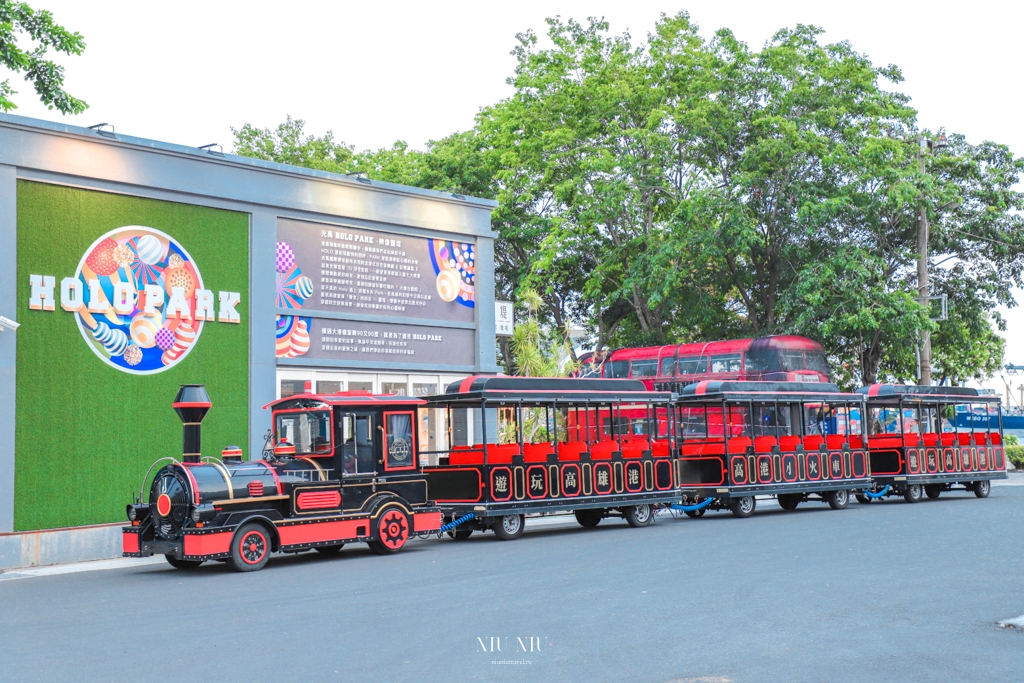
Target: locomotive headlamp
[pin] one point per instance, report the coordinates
(196, 515)
(132, 514)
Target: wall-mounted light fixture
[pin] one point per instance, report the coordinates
(100, 129)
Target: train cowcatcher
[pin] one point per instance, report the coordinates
(341, 469)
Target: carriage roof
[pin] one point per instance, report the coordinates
(913, 392)
(546, 389)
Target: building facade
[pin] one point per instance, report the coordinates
(134, 266)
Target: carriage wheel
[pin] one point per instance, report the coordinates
(588, 519)
(861, 498)
(838, 500)
(981, 488)
(460, 534)
(509, 527)
(182, 564)
(695, 514)
(743, 506)
(933, 490)
(250, 548)
(913, 493)
(330, 549)
(392, 532)
(639, 515)
(788, 501)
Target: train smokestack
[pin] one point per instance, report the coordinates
(191, 404)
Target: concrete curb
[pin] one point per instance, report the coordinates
(60, 546)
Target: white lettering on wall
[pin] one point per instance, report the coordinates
(177, 307)
(124, 298)
(204, 305)
(97, 301)
(154, 299)
(42, 292)
(71, 296)
(228, 301)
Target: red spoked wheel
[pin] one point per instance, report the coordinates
(392, 532)
(250, 549)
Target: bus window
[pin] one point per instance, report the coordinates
(816, 361)
(727, 362)
(617, 368)
(739, 420)
(668, 367)
(791, 360)
(695, 365)
(645, 368)
(884, 421)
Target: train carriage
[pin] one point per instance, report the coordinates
(500, 447)
(918, 445)
(341, 469)
(795, 441)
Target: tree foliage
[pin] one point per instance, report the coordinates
(680, 188)
(18, 19)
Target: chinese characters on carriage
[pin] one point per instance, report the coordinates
(501, 447)
(926, 439)
(797, 441)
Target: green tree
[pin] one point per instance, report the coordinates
(287, 144)
(47, 77)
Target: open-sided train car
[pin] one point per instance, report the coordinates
(342, 469)
(500, 447)
(796, 441)
(918, 448)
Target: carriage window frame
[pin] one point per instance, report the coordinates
(322, 416)
(386, 446)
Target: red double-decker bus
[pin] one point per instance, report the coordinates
(670, 368)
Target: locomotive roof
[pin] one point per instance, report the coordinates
(341, 398)
(760, 390)
(914, 392)
(547, 388)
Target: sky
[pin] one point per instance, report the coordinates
(373, 73)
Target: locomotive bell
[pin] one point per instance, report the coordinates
(191, 404)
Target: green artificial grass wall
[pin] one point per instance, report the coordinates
(87, 432)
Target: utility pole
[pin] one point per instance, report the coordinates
(925, 355)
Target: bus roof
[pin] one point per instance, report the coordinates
(760, 390)
(918, 392)
(712, 347)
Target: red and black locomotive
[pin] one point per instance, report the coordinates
(342, 469)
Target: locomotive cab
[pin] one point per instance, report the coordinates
(337, 468)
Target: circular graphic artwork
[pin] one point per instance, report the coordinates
(122, 263)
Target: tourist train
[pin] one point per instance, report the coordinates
(381, 469)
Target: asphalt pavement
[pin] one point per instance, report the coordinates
(878, 592)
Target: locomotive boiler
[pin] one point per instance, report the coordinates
(299, 498)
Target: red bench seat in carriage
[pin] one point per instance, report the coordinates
(764, 444)
(931, 440)
(603, 450)
(964, 439)
(660, 449)
(501, 455)
(739, 444)
(634, 446)
(981, 438)
(537, 452)
(947, 439)
(466, 455)
(856, 441)
(570, 452)
(994, 438)
(911, 440)
(885, 441)
(813, 442)
(834, 442)
(788, 444)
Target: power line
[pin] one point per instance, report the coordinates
(986, 239)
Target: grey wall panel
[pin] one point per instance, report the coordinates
(262, 357)
(8, 339)
(29, 143)
(486, 360)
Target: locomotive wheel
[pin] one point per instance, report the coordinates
(742, 506)
(912, 494)
(182, 564)
(509, 527)
(460, 534)
(639, 515)
(392, 532)
(695, 514)
(250, 548)
(981, 488)
(588, 518)
(861, 498)
(838, 500)
(788, 501)
(330, 549)
(932, 490)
